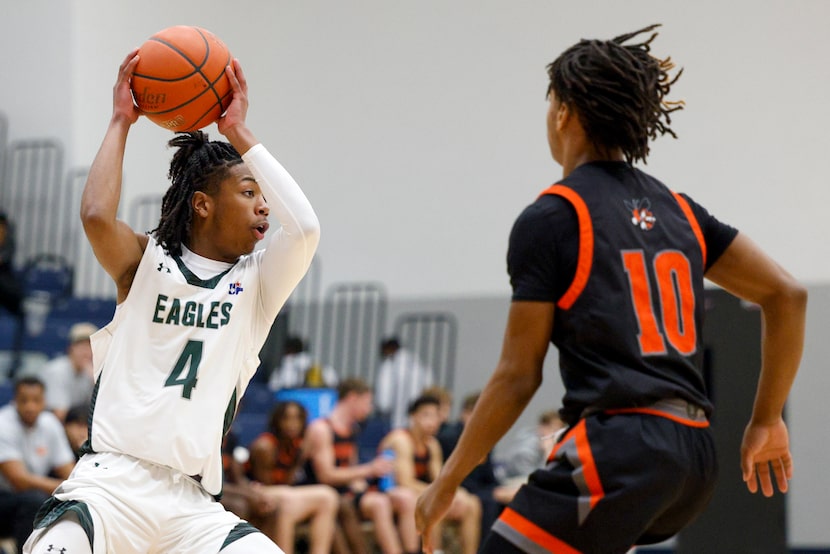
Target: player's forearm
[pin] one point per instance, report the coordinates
(339, 476)
(241, 138)
(784, 316)
(44, 484)
(102, 193)
(286, 201)
(290, 248)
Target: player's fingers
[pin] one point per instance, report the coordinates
(240, 75)
(764, 478)
(787, 461)
(780, 471)
(232, 78)
(426, 537)
(751, 482)
(129, 58)
(747, 468)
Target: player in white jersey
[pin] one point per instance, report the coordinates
(195, 304)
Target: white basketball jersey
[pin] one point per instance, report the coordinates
(175, 360)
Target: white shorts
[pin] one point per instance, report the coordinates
(127, 505)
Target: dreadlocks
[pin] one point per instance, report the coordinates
(197, 165)
(618, 91)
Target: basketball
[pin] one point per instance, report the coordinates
(179, 82)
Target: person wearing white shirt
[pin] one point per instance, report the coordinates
(69, 378)
(400, 380)
(33, 445)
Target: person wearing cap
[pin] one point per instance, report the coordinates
(69, 378)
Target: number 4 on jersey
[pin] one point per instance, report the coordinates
(677, 301)
(189, 360)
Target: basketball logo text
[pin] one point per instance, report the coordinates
(150, 100)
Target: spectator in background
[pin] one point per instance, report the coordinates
(332, 459)
(298, 369)
(528, 453)
(482, 480)
(401, 379)
(76, 425)
(240, 495)
(444, 405)
(276, 458)
(418, 461)
(69, 378)
(11, 290)
(33, 445)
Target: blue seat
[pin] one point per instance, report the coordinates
(50, 274)
(95, 310)
(6, 392)
(52, 340)
(258, 398)
(371, 434)
(248, 426)
(8, 328)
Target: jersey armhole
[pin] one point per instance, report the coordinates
(695, 225)
(585, 257)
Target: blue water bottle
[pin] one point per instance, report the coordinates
(387, 481)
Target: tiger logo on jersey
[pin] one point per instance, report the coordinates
(641, 215)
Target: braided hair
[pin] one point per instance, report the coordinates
(198, 165)
(618, 91)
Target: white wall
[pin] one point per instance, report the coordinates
(417, 128)
(36, 72)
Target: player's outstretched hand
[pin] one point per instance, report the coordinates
(432, 505)
(765, 451)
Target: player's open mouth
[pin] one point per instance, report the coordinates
(260, 230)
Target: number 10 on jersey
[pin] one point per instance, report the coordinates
(673, 275)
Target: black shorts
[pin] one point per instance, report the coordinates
(613, 481)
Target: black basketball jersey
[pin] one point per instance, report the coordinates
(345, 455)
(628, 327)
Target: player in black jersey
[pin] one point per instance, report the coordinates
(608, 264)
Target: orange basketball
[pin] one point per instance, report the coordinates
(179, 82)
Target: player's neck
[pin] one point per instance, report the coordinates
(203, 245)
(580, 151)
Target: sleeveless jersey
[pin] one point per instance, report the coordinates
(421, 458)
(285, 465)
(345, 454)
(628, 329)
(174, 361)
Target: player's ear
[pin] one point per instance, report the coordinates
(563, 116)
(201, 204)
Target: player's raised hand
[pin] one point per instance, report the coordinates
(765, 450)
(123, 105)
(238, 108)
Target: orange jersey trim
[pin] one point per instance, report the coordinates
(586, 244)
(534, 533)
(690, 215)
(660, 413)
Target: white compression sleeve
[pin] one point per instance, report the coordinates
(289, 249)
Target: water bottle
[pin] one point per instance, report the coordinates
(387, 481)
